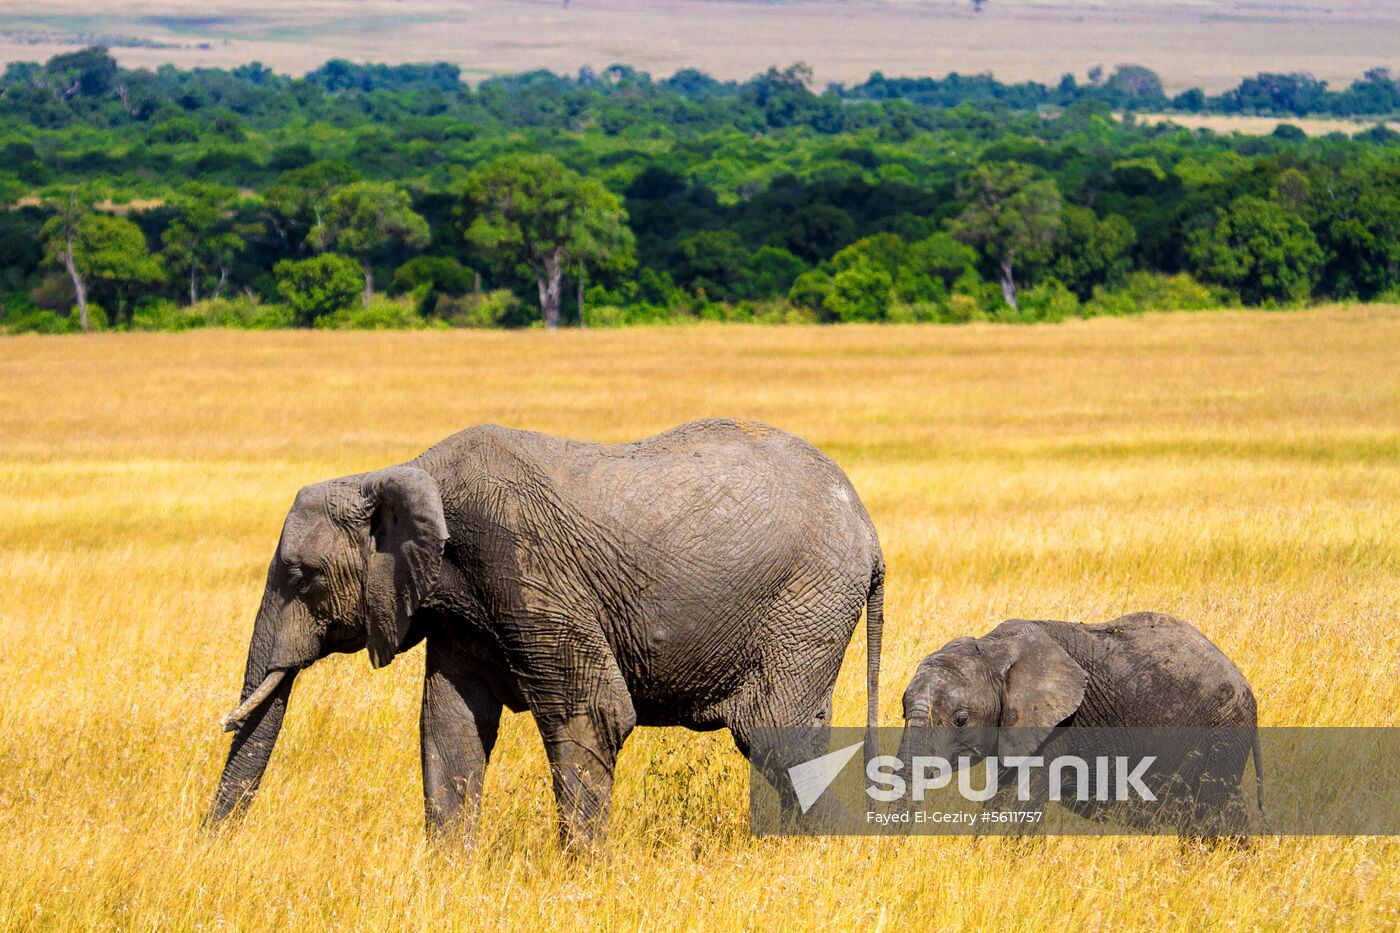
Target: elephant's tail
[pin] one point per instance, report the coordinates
(874, 632)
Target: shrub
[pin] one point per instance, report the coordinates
(918, 312)
(427, 277)
(163, 314)
(812, 290)
(965, 309)
(1152, 291)
(781, 312)
(175, 131)
(23, 317)
(246, 312)
(608, 315)
(53, 293)
(382, 314)
(38, 321)
(240, 312)
(861, 292)
(318, 286)
(499, 308)
(973, 299)
(1049, 300)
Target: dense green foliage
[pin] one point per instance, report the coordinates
(246, 198)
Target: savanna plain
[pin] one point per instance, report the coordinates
(1238, 469)
(1210, 43)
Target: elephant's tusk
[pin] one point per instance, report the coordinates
(269, 684)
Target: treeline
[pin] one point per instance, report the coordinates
(1132, 87)
(369, 195)
(89, 87)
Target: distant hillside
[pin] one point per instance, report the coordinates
(1205, 43)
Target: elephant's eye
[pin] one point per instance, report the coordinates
(961, 717)
(296, 576)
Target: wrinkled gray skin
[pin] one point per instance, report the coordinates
(708, 577)
(1140, 670)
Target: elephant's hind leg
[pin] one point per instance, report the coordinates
(790, 692)
(584, 717)
(457, 730)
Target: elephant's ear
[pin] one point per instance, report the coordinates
(1041, 684)
(407, 533)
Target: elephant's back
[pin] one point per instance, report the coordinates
(737, 490)
(709, 500)
(751, 446)
(1160, 670)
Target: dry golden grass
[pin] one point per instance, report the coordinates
(1257, 126)
(1237, 469)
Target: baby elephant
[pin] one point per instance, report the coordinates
(1014, 691)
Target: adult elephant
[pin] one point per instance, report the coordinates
(708, 577)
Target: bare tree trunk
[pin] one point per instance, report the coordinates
(369, 280)
(582, 283)
(194, 293)
(476, 287)
(551, 289)
(1008, 283)
(78, 288)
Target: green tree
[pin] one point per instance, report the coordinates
(365, 219)
(205, 237)
(318, 286)
(771, 271)
(543, 218)
(1360, 228)
(116, 259)
(818, 230)
(1134, 84)
(713, 261)
(100, 253)
(812, 290)
(60, 237)
(1259, 249)
(1091, 251)
(1012, 216)
(90, 72)
(430, 277)
(943, 257)
(861, 291)
(920, 272)
(297, 200)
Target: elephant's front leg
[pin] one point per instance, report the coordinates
(458, 730)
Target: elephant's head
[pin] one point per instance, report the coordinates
(1017, 677)
(357, 556)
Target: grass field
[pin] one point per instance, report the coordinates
(1256, 126)
(1241, 470)
(1210, 43)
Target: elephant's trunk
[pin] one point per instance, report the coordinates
(281, 646)
(249, 754)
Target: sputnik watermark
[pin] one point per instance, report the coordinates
(1108, 779)
(1205, 781)
(1116, 779)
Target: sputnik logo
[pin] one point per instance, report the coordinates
(811, 778)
